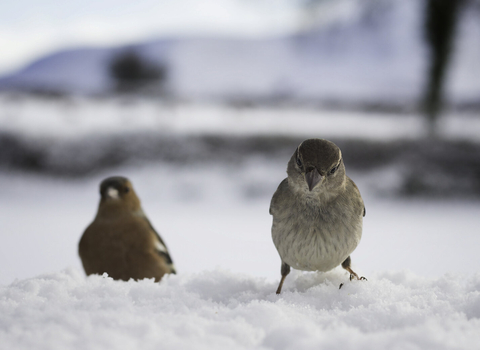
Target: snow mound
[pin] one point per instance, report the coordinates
(222, 310)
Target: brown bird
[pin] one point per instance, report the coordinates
(317, 211)
(121, 240)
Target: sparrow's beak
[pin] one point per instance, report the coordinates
(312, 177)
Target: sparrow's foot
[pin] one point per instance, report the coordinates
(355, 276)
(346, 265)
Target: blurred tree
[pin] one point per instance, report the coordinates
(440, 24)
(132, 73)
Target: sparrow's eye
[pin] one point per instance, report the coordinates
(299, 162)
(334, 169)
(127, 189)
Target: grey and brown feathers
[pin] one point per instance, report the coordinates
(317, 211)
(121, 240)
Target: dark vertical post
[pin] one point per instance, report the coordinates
(440, 23)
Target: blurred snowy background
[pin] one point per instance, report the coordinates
(201, 104)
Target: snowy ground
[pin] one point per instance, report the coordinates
(220, 309)
(420, 257)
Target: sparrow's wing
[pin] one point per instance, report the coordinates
(278, 195)
(358, 196)
(161, 247)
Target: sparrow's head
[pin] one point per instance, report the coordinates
(117, 192)
(316, 165)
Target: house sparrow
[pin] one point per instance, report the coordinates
(317, 211)
(121, 241)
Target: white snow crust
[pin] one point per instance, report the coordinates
(219, 309)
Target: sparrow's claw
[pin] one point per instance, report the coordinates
(352, 276)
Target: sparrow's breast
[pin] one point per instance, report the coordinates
(311, 240)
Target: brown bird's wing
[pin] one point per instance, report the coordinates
(161, 248)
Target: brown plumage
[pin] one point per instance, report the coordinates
(121, 241)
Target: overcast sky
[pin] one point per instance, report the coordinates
(32, 28)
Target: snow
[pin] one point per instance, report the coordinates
(219, 309)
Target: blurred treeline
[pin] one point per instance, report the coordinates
(432, 166)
